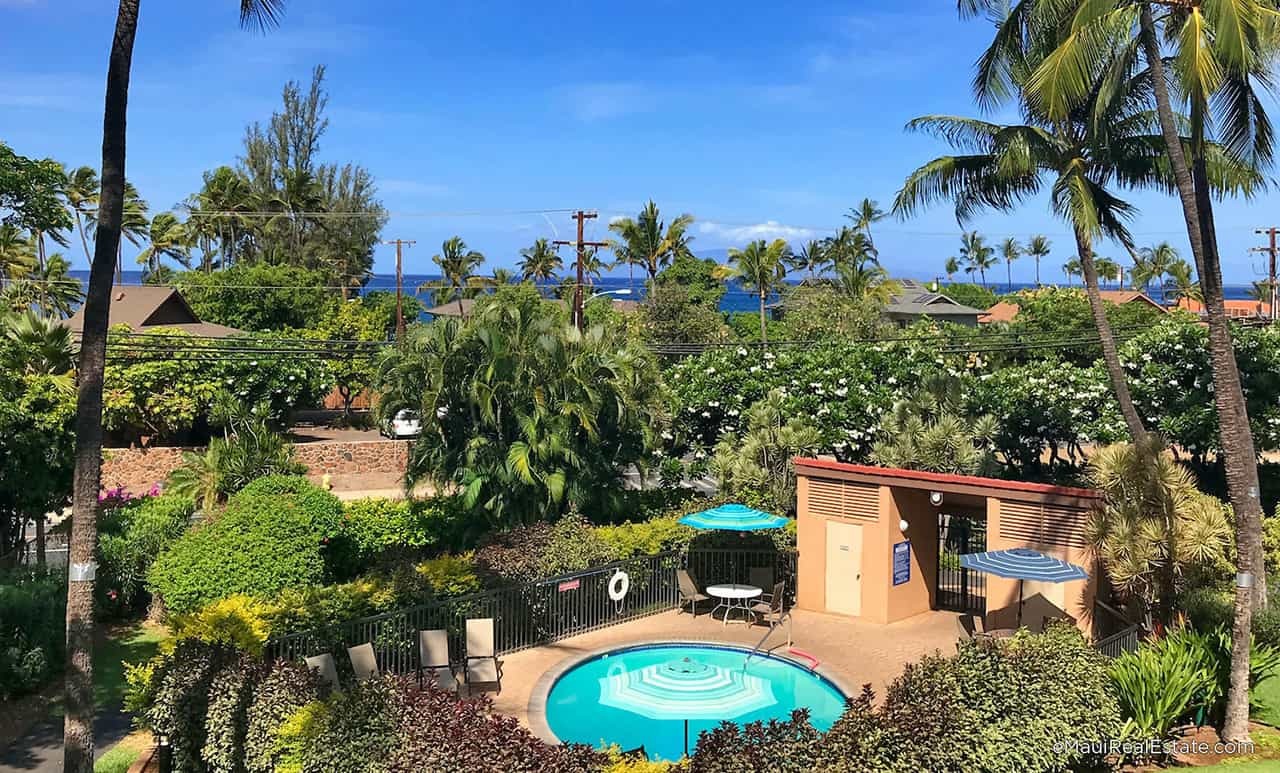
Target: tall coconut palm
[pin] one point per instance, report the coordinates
(951, 267)
(17, 253)
(60, 292)
(1109, 269)
(977, 255)
(760, 266)
(1038, 249)
(1152, 265)
(81, 192)
(648, 242)
(134, 225)
(1072, 269)
(78, 703)
(1183, 282)
(1010, 250)
(540, 262)
(217, 215)
(849, 246)
(458, 264)
(865, 215)
(169, 238)
(812, 257)
(1221, 55)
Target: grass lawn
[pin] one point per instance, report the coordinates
(130, 644)
(1268, 698)
(119, 757)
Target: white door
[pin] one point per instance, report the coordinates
(844, 568)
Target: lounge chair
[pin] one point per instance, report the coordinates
(434, 661)
(771, 607)
(481, 665)
(689, 593)
(363, 661)
(325, 667)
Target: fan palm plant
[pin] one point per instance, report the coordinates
(45, 343)
(78, 703)
(540, 262)
(1038, 248)
(760, 266)
(648, 242)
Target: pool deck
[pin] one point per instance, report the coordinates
(851, 652)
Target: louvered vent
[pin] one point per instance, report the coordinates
(833, 498)
(1048, 525)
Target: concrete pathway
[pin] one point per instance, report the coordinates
(40, 750)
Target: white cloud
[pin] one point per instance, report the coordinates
(768, 230)
(603, 101)
(413, 188)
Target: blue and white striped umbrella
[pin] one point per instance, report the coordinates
(733, 518)
(1023, 564)
(686, 690)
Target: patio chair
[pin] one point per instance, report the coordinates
(325, 667)
(482, 665)
(363, 661)
(760, 576)
(689, 593)
(637, 754)
(771, 607)
(434, 661)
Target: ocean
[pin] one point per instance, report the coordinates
(735, 299)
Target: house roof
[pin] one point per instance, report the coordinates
(967, 484)
(1236, 309)
(148, 306)
(1005, 311)
(914, 299)
(450, 309)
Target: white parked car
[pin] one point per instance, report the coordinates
(405, 424)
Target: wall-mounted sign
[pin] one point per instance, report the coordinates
(569, 585)
(902, 563)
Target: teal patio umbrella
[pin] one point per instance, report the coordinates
(733, 517)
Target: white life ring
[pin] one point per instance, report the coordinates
(619, 584)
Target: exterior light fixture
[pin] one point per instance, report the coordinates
(935, 498)
(903, 525)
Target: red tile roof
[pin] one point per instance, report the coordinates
(945, 478)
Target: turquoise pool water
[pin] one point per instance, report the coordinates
(642, 696)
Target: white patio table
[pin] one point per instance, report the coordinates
(733, 596)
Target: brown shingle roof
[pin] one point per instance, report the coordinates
(146, 306)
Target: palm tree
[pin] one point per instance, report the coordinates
(217, 215)
(867, 283)
(951, 267)
(865, 215)
(17, 253)
(1072, 269)
(45, 343)
(169, 239)
(977, 255)
(134, 225)
(762, 267)
(812, 257)
(1038, 248)
(59, 292)
(81, 192)
(1182, 278)
(458, 264)
(540, 262)
(1109, 269)
(1221, 55)
(1010, 250)
(1151, 264)
(592, 266)
(78, 702)
(648, 242)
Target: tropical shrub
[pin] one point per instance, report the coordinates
(281, 693)
(352, 730)
(777, 745)
(32, 636)
(131, 535)
(179, 696)
(36, 450)
(931, 432)
(376, 530)
(524, 415)
(824, 313)
(645, 538)
(237, 621)
(973, 295)
(542, 550)
(267, 297)
(273, 535)
(758, 462)
(227, 714)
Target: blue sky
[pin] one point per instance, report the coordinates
(761, 119)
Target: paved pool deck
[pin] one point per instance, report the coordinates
(852, 653)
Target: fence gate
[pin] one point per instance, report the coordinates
(959, 589)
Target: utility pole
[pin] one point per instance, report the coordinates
(1271, 269)
(582, 246)
(400, 244)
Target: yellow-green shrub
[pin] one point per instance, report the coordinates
(240, 621)
(617, 763)
(296, 734)
(646, 537)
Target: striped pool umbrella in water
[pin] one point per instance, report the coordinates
(1023, 564)
(733, 518)
(686, 690)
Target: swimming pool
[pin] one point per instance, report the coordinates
(642, 696)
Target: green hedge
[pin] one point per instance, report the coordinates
(32, 635)
(131, 535)
(274, 534)
(384, 531)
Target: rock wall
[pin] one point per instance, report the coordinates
(137, 469)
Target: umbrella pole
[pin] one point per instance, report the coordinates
(1020, 602)
(686, 738)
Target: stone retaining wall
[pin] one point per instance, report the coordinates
(137, 469)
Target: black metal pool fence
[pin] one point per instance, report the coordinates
(545, 611)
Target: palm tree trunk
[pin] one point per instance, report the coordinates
(1110, 357)
(78, 722)
(1008, 267)
(40, 539)
(1037, 271)
(764, 338)
(1235, 438)
(84, 239)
